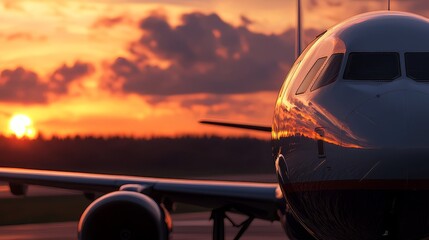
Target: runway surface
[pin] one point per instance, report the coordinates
(187, 226)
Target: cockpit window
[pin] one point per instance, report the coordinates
(382, 66)
(330, 72)
(417, 65)
(310, 75)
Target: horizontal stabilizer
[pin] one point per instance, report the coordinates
(236, 125)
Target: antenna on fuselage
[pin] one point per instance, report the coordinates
(298, 33)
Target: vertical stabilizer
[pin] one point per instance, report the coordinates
(298, 42)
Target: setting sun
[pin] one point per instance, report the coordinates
(21, 125)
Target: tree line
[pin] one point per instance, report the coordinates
(158, 156)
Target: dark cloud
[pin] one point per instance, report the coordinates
(334, 3)
(23, 86)
(317, 5)
(214, 105)
(311, 4)
(64, 75)
(206, 101)
(109, 22)
(245, 21)
(206, 55)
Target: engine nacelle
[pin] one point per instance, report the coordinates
(124, 215)
(18, 189)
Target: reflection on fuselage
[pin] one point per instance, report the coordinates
(352, 157)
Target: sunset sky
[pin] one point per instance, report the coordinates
(147, 68)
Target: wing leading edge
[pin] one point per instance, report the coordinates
(260, 200)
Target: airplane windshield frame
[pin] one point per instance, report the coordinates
(374, 66)
(311, 75)
(330, 71)
(417, 66)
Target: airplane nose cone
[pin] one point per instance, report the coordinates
(390, 137)
(396, 119)
(392, 132)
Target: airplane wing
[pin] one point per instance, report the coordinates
(259, 200)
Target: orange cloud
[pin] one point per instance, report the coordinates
(12, 5)
(24, 36)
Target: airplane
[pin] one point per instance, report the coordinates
(349, 142)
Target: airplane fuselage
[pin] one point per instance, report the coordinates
(350, 130)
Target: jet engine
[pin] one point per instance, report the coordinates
(124, 215)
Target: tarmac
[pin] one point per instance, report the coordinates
(188, 226)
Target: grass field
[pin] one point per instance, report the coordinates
(44, 209)
(22, 210)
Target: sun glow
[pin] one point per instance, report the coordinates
(21, 126)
